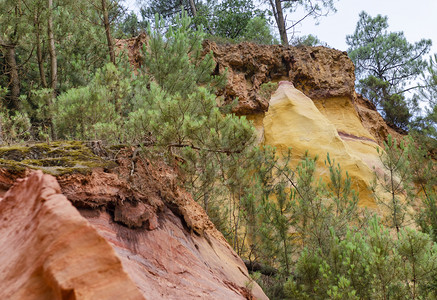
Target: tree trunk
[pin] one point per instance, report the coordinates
(280, 21)
(52, 50)
(14, 81)
(108, 32)
(39, 51)
(193, 8)
(53, 66)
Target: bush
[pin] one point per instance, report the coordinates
(97, 110)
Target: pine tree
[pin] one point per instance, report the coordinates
(422, 170)
(395, 181)
(385, 64)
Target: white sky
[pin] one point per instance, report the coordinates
(417, 19)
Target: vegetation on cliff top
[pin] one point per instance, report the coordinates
(56, 158)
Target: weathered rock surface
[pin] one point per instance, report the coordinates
(319, 72)
(165, 245)
(132, 47)
(325, 75)
(165, 240)
(293, 120)
(318, 111)
(373, 121)
(49, 251)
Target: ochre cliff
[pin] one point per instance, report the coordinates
(315, 107)
(293, 120)
(126, 233)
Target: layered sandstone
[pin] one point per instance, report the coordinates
(49, 251)
(294, 120)
(132, 232)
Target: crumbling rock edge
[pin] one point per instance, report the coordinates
(162, 238)
(49, 251)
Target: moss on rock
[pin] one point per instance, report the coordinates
(57, 158)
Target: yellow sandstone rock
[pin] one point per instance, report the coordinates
(331, 126)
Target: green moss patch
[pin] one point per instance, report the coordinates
(58, 158)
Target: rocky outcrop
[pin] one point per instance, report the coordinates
(133, 47)
(137, 229)
(319, 72)
(49, 251)
(317, 111)
(324, 75)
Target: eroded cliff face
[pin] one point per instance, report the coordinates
(126, 233)
(293, 120)
(49, 251)
(315, 107)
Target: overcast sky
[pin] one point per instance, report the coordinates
(417, 19)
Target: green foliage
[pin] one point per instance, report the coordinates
(95, 111)
(232, 17)
(37, 105)
(426, 124)
(174, 60)
(266, 90)
(422, 170)
(130, 26)
(385, 65)
(296, 211)
(14, 127)
(308, 40)
(395, 180)
(368, 265)
(166, 9)
(258, 31)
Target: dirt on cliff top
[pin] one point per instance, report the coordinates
(319, 72)
(118, 179)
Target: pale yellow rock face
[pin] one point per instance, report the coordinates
(329, 126)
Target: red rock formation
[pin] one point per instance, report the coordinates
(165, 240)
(162, 239)
(49, 251)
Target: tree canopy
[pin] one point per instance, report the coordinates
(386, 66)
